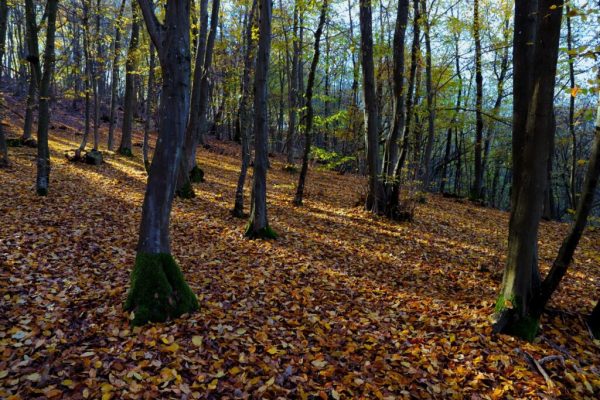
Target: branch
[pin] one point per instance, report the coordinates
(152, 24)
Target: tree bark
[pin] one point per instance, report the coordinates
(308, 126)
(243, 122)
(376, 195)
(158, 289)
(3, 25)
(115, 77)
(149, 108)
(532, 140)
(258, 225)
(291, 133)
(426, 170)
(43, 152)
(569, 245)
(125, 147)
(476, 190)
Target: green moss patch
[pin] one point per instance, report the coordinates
(196, 175)
(158, 290)
(264, 233)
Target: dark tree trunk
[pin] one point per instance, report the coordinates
(531, 141)
(569, 245)
(573, 177)
(412, 78)
(243, 121)
(308, 126)
(125, 148)
(391, 168)
(258, 225)
(476, 189)
(426, 169)
(158, 289)
(294, 78)
(376, 195)
(3, 24)
(43, 153)
(199, 107)
(115, 77)
(149, 108)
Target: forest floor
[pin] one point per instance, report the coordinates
(342, 305)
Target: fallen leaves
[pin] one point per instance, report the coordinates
(342, 306)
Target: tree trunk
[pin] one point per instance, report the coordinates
(149, 108)
(573, 177)
(115, 77)
(258, 225)
(515, 312)
(243, 121)
(476, 190)
(294, 78)
(308, 126)
(376, 195)
(391, 168)
(125, 148)
(96, 75)
(158, 289)
(569, 245)
(414, 60)
(3, 25)
(43, 152)
(426, 170)
(200, 95)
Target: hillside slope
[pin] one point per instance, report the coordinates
(343, 305)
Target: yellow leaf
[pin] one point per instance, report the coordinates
(272, 350)
(172, 348)
(574, 91)
(35, 377)
(213, 384)
(197, 341)
(319, 363)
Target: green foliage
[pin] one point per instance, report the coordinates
(158, 290)
(332, 160)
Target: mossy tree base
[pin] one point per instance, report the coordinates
(264, 233)
(237, 213)
(196, 175)
(510, 322)
(291, 168)
(125, 152)
(158, 290)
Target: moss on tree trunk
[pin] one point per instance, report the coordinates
(158, 290)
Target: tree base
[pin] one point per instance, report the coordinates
(186, 192)
(264, 233)
(125, 151)
(510, 322)
(196, 175)
(158, 290)
(239, 213)
(94, 157)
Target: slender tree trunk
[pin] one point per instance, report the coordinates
(294, 79)
(258, 225)
(414, 60)
(376, 195)
(521, 275)
(114, 84)
(88, 76)
(573, 178)
(30, 108)
(476, 190)
(3, 25)
(158, 289)
(391, 168)
(308, 126)
(200, 95)
(149, 108)
(125, 147)
(426, 170)
(569, 245)
(243, 120)
(96, 78)
(43, 152)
